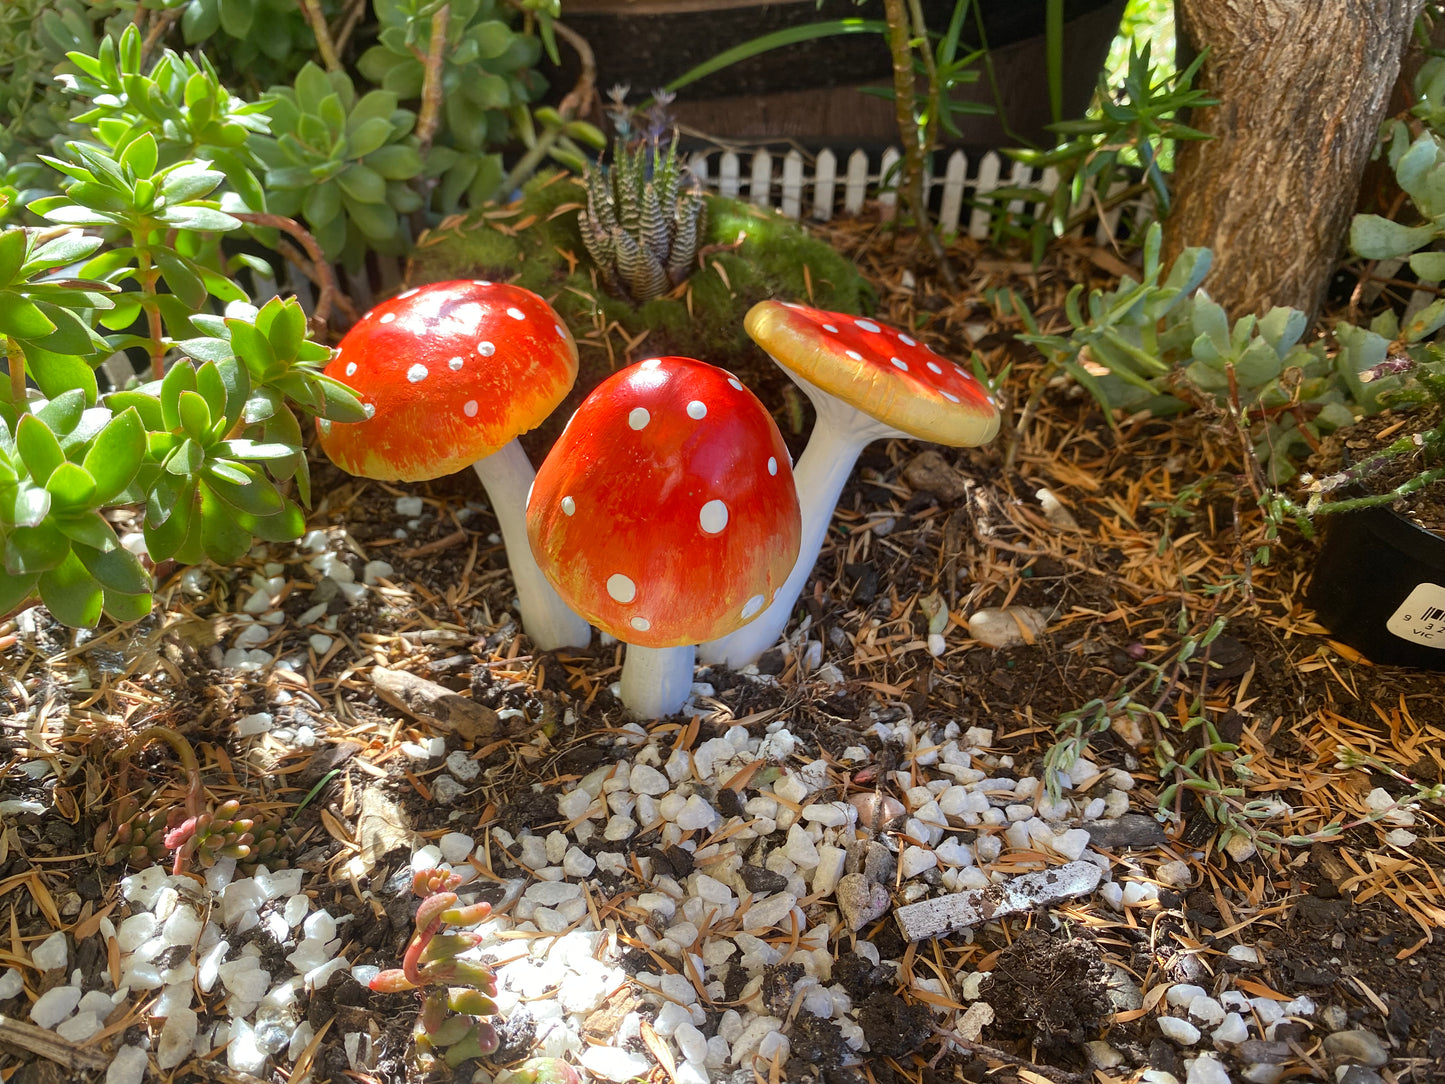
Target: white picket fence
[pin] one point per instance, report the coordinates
(816, 187)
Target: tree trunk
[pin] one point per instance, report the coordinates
(1302, 87)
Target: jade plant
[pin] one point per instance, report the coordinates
(192, 834)
(456, 993)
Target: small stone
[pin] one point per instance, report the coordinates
(127, 1067)
(1231, 1030)
(613, 1063)
(1132, 831)
(1178, 1030)
(1207, 1069)
(1360, 1046)
(697, 814)
(930, 472)
(54, 1005)
(456, 847)
(861, 900)
(51, 953)
(1010, 626)
(646, 779)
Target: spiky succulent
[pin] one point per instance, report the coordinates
(641, 226)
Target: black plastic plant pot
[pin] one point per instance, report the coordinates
(1379, 586)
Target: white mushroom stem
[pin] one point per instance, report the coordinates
(656, 680)
(507, 476)
(839, 435)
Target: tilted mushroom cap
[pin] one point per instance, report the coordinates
(448, 374)
(666, 512)
(880, 370)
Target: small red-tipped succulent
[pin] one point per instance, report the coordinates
(456, 994)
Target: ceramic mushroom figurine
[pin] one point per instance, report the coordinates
(868, 382)
(666, 515)
(449, 375)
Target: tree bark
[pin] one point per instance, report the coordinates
(1302, 87)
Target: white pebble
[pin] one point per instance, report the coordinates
(11, 983)
(696, 814)
(456, 847)
(1177, 1030)
(54, 1005)
(613, 1063)
(127, 1067)
(51, 953)
(1207, 1069)
(408, 507)
(1233, 1029)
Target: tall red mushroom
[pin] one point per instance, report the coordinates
(666, 515)
(449, 375)
(868, 381)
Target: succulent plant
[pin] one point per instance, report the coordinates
(641, 226)
(189, 833)
(341, 161)
(431, 964)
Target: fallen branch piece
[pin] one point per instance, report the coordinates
(48, 1045)
(949, 914)
(435, 704)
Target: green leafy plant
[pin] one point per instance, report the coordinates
(265, 40)
(473, 75)
(641, 226)
(1159, 343)
(456, 993)
(1132, 132)
(342, 161)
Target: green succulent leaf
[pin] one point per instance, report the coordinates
(71, 593)
(115, 569)
(21, 318)
(38, 447)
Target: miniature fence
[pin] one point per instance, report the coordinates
(960, 198)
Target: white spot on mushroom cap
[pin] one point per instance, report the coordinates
(486, 349)
(641, 624)
(561, 331)
(830, 329)
(933, 367)
(899, 363)
(387, 317)
(650, 363)
(408, 293)
(906, 340)
(469, 408)
(638, 417)
(569, 506)
(713, 517)
(621, 588)
(325, 426)
(516, 313)
(351, 368)
(867, 325)
(369, 409)
(950, 397)
(697, 410)
(454, 364)
(772, 464)
(854, 355)
(416, 373)
(480, 282)
(751, 606)
(735, 382)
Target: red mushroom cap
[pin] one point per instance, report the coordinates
(666, 512)
(878, 369)
(448, 373)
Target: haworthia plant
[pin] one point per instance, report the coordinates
(641, 226)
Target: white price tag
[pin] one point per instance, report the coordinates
(1421, 617)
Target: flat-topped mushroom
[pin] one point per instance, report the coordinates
(868, 381)
(666, 515)
(449, 375)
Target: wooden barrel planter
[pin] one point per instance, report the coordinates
(808, 94)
